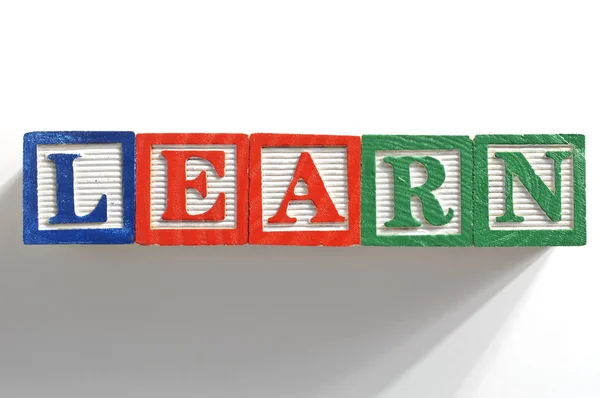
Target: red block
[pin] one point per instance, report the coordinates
(192, 189)
(304, 190)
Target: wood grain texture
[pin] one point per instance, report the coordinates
(274, 160)
(454, 194)
(532, 224)
(153, 228)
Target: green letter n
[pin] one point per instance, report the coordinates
(403, 192)
(517, 165)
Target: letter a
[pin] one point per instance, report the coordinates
(307, 171)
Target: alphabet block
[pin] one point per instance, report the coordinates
(78, 187)
(417, 190)
(304, 190)
(530, 190)
(192, 189)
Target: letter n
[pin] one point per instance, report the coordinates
(530, 190)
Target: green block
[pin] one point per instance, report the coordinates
(530, 190)
(417, 190)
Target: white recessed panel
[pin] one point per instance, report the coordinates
(196, 204)
(278, 167)
(449, 193)
(524, 204)
(97, 171)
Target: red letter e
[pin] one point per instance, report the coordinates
(177, 185)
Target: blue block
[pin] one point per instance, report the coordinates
(79, 187)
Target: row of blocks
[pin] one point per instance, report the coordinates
(284, 189)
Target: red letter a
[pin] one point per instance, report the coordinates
(177, 185)
(326, 211)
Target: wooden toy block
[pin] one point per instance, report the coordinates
(78, 187)
(530, 190)
(304, 190)
(192, 189)
(417, 190)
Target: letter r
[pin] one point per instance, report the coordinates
(403, 192)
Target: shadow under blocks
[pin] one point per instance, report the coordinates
(201, 189)
(370, 316)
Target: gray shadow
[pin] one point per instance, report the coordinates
(249, 321)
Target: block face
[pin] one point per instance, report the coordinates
(542, 202)
(304, 190)
(416, 190)
(79, 187)
(192, 189)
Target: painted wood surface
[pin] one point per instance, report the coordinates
(309, 190)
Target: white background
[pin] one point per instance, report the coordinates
(262, 322)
